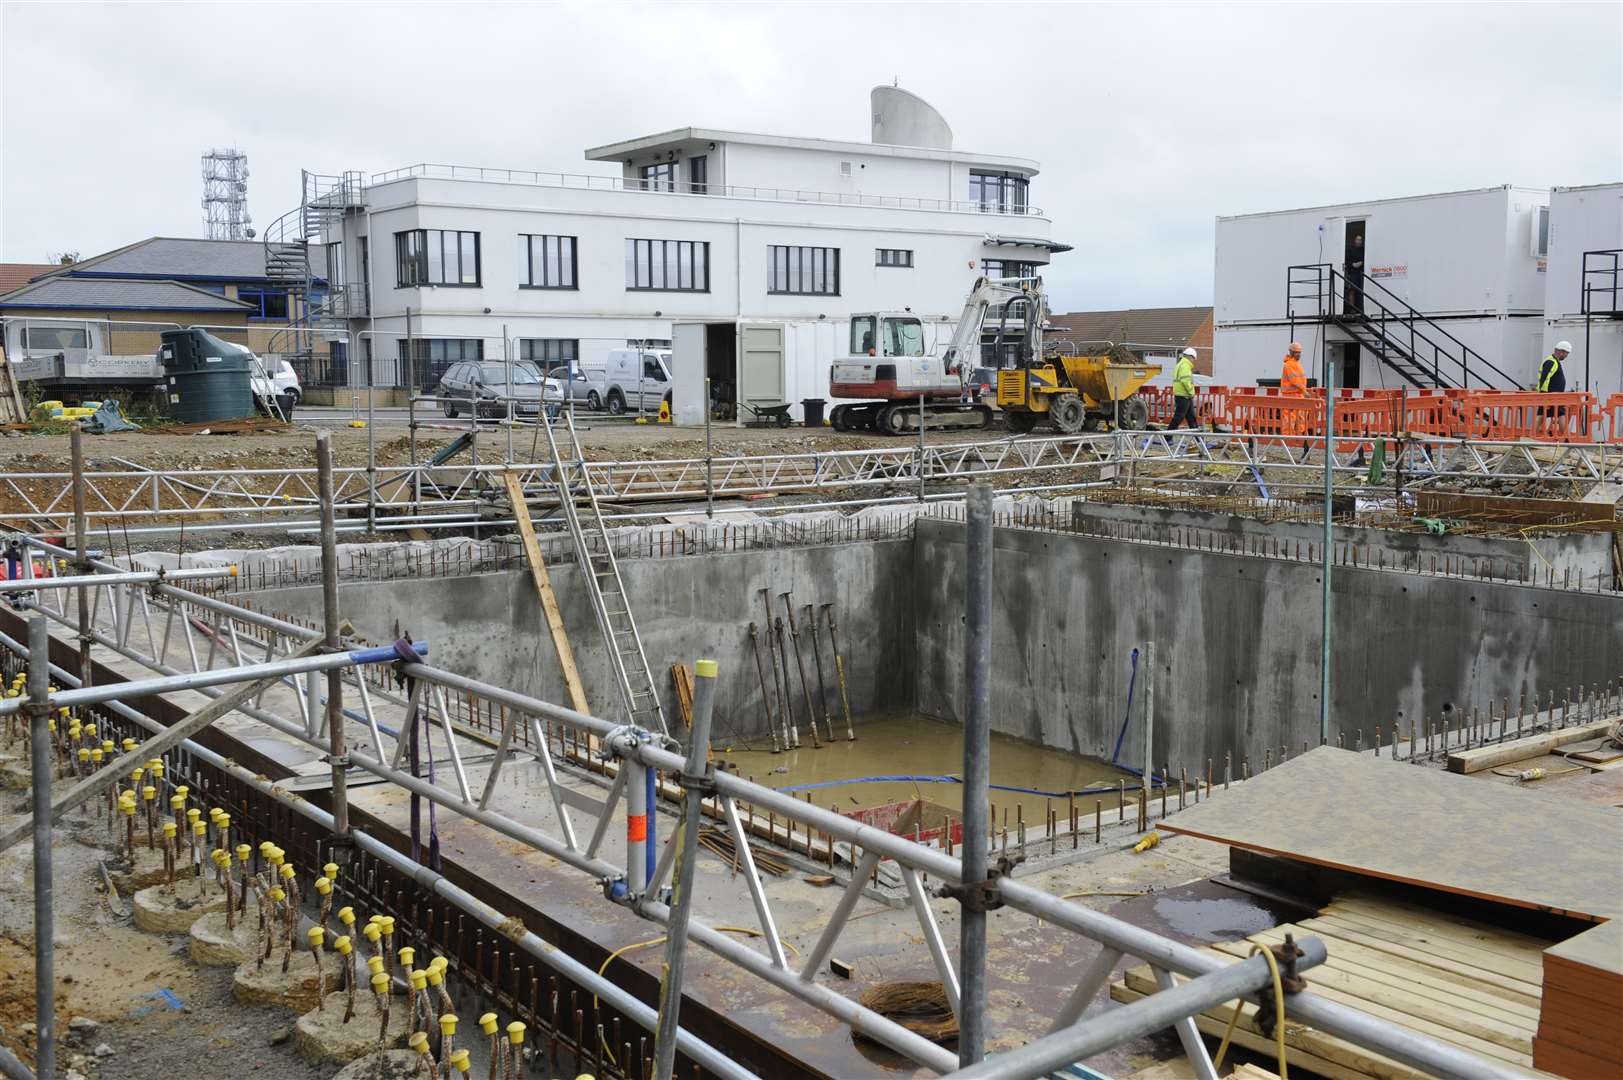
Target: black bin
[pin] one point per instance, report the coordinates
(813, 409)
(206, 379)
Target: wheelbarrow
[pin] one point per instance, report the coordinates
(766, 413)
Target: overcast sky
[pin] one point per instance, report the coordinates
(1149, 119)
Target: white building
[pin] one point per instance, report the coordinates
(769, 238)
(1452, 291)
(1583, 298)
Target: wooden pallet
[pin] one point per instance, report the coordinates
(1475, 986)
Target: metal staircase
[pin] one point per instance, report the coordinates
(313, 303)
(1407, 342)
(601, 571)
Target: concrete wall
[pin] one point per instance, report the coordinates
(1237, 643)
(489, 626)
(1587, 557)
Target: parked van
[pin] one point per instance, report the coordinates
(635, 379)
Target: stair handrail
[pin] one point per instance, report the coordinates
(1608, 265)
(1329, 280)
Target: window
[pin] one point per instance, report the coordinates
(1003, 193)
(699, 175)
(335, 265)
(436, 257)
(652, 369)
(1004, 268)
(429, 358)
(804, 271)
(892, 257)
(661, 177)
(547, 352)
(904, 337)
(55, 337)
(546, 262)
(496, 374)
(1541, 232)
(366, 266)
(668, 265)
(264, 303)
(863, 341)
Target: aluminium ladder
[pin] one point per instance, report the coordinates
(601, 571)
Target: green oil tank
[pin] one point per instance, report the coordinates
(205, 378)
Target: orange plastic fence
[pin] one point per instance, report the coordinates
(1362, 414)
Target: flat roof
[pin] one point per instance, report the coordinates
(1389, 199)
(630, 148)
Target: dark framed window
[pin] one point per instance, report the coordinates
(546, 262)
(803, 271)
(892, 257)
(436, 257)
(667, 265)
(424, 360)
(999, 191)
(366, 266)
(547, 353)
(55, 337)
(661, 177)
(1005, 268)
(264, 303)
(699, 174)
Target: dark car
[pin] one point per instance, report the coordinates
(480, 387)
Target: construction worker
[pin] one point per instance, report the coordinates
(1294, 380)
(1183, 391)
(1552, 378)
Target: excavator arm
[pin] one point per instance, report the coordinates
(986, 293)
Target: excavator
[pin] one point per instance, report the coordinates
(901, 386)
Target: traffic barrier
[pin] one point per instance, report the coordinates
(1526, 414)
(1609, 419)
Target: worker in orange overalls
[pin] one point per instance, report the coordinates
(1293, 383)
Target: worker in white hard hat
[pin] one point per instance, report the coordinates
(1552, 378)
(1183, 392)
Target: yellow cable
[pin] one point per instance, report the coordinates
(1279, 1015)
(750, 931)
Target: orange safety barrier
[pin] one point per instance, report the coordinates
(1275, 414)
(1609, 419)
(1526, 414)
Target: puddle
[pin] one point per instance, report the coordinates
(909, 752)
(1214, 919)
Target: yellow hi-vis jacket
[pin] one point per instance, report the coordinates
(1183, 378)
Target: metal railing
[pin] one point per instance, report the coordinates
(588, 182)
(1321, 292)
(636, 759)
(1602, 283)
(141, 500)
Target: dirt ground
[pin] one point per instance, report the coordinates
(156, 1014)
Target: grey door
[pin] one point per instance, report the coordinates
(760, 369)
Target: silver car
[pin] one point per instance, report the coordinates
(580, 385)
(481, 387)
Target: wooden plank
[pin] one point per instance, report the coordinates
(1564, 1060)
(1404, 915)
(1329, 1052)
(543, 588)
(1512, 510)
(1333, 807)
(683, 680)
(1452, 1013)
(1488, 757)
(1517, 967)
(1402, 968)
(1330, 930)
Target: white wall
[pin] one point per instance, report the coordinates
(1246, 353)
(1581, 219)
(1603, 359)
(1460, 253)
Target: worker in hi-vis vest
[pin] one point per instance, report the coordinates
(1183, 392)
(1552, 378)
(1293, 380)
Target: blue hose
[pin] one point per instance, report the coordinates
(653, 827)
(1132, 683)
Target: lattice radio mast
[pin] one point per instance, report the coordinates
(225, 195)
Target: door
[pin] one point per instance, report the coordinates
(653, 385)
(1354, 243)
(760, 374)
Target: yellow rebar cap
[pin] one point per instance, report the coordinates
(374, 964)
(407, 955)
(199, 829)
(331, 870)
(277, 894)
(459, 1061)
(316, 935)
(323, 886)
(448, 1024)
(705, 668)
(380, 983)
(346, 915)
(169, 830)
(342, 944)
(515, 1032)
(419, 980)
(487, 1023)
(418, 1042)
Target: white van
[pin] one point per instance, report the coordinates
(635, 379)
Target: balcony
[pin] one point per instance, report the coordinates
(679, 188)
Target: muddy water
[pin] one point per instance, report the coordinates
(918, 746)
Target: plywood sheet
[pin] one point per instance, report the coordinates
(1425, 827)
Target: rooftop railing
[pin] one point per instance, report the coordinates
(677, 187)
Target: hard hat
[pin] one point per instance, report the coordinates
(1189, 353)
(1296, 347)
(1563, 346)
